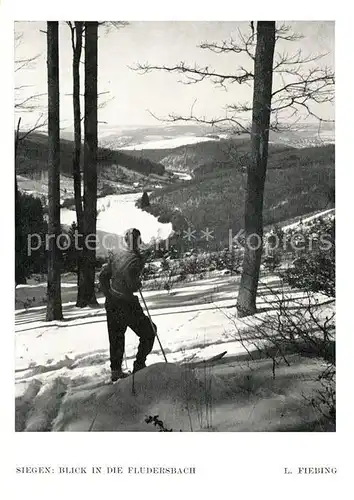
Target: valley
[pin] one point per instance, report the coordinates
(199, 184)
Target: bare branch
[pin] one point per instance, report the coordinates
(197, 74)
(21, 87)
(235, 124)
(18, 39)
(25, 63)
(40, 123)
(297, 93)
(247, 46)
(72, 32)
(83, 95)
(298, 58)
(17, 137)
(284, 32)
(109, 25)
(104, 103)
(316, 86)
(239, 107)
(115, 24)
(28, 103)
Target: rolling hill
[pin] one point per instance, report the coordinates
(226, 151)
(33, 154)
(299, 182)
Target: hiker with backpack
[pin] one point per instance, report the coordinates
(120, 278)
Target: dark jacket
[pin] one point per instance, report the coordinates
(121, 276)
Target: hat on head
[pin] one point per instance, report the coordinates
(132, 237)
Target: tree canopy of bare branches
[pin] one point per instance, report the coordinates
(299, 83)
(26, 103)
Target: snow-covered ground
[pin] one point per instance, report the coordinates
(62, 368)
(183, 176)
(330, 213)
(116, 213)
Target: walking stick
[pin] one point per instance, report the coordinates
(152, 325)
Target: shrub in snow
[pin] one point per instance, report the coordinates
(157, 423)
(106, 189)
(295, 323)
(273, 250)
(70, 254)
(314, 270)
(29, 218)
(272, 261)
(144, 202)
(300, 319)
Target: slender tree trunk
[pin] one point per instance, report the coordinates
(20, 242)
(20, 277)
(77, 49)
(17, 140)
(17, 208)
(54, 307)
(16, 188)
(76, 34)
(86, 292)
(256, 173)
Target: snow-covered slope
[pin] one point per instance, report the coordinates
(62, 368)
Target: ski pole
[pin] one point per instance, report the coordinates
(152, 325)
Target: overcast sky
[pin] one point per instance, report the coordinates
(132, 94)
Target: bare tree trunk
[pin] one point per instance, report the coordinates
(20, 277)
(86, 292)
(54, 306)
(256, 172)
(77, 49)
(17, 140)
(76, 38)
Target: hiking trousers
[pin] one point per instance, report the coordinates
(121, 314)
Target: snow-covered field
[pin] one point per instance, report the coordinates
(62, 368)
(173, 142)
(329, 214)
(116, 213)
(183, 176)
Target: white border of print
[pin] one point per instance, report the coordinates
(237, 465)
